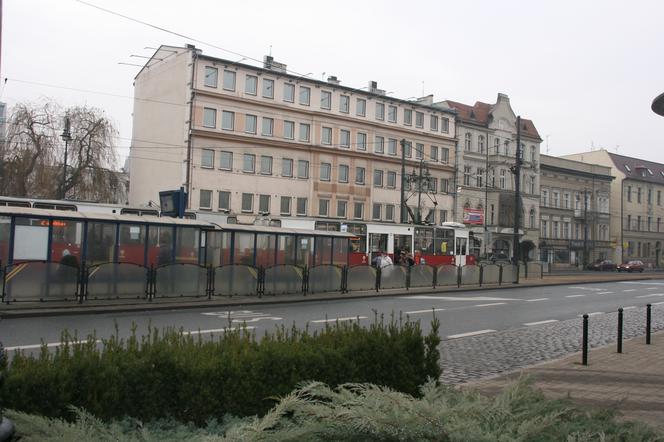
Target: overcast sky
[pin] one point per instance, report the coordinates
(585, 72)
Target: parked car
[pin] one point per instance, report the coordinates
(631, 266)
(603, 265)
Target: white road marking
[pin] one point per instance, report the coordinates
(630, 307)
(475, 333)
(272, 318)
(586, 288)
(537, 299)
(651, 295)
(657, 303)
(652, 288)
(592, 314)
(236, 314)
(604, 293)
(417, 312)
(642, 283)
(630, 290)
(460, 298)
(574, 296)
(350, 318)
(548, 321)
(211, 330)
(489, 305)
(50, 344)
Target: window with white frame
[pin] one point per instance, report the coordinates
(247, 202)
(266, 165)
(227, 120)
(250, 123)
(264, 204)
(286, 167)
(211, 76)
(303, 169)
(445, 124)
(389, 212)
(361, 141)
(468, 142)
(343, 173)
(268, 88)
(419, 120)
(205, 199)
(325, 171)
(289, 130)
(467, 171)
(325, 100)
(305, 131)
(226, 160)
(224, 200)
(391, 179)
(289, 92)
(360, 173)
(545, 198)
(566, 200)
(479, 177)
(444, 155)
(532, 185)
(531, 221)
(480, 143)
(305, 95)
(379, 145)
(408, 147)
(408, 117)
(344, 104)
(392, 146)
(344, 138)
(209, 117)
(419, 151)
(251, 85)
(378, 178)
(555, 199)
(302, 207)
(285, 205)
(323, 207)
(358, 210)
(434, 153)
(444, 185)
(545, 229)
(207, 158)
(326, 135)
(377, 211)
(361, 107)
(268, 127)
(533, 153)
(503, 179)
(380, 111)
(249, 163)
(433, 124)
(229, 80)
(342, 206)
(392, 114)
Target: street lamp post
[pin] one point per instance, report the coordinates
(622, 221)
(516, 169)
(66, 136)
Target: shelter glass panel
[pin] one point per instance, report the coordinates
(5, 228)
(160, 245)
(243, 252)
(66, 242)
(305, 251)
(266, 245)
(187, 245)
(340, 249)
(323, 250)
(30, 239)
(100, 243)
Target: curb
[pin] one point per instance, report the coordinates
(35, 312)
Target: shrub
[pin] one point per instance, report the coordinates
(172, 374)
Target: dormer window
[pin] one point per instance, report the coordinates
(627, 168)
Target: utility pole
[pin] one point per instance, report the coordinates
(516, 169)
(66, 136)
(585, 228)
(486, 199)
(404, 214)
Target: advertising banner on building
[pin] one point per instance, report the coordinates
(473, 216)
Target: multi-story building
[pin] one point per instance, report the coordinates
(484, 186)
(636, 205)
(260, 141)
(574, 212)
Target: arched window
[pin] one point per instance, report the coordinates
(532, 218)
(469, 141)
(480, 144)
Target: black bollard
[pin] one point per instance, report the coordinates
(648, 322)
(584, 349)
(620, 329)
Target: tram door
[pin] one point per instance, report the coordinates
(377, 243)
(461, 250)
(401, 243)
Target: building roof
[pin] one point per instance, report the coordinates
(638, 169)
(480, 112)
(574, 167)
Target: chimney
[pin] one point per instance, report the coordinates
(503, 97)
(373, 88)
(426, 100)
(269, 63)
(332, 79)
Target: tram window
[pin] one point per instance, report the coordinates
(444, 242)
(323, 250)
(186, 250)
(47, 206)
(424, 241)
(66, 239)
(286, 250)
(5, 228)
(266, 244)
(244, 248)
(218, 250)
(358, 244)
(131, 244)
(14, 203)
(305, 251)
(340, 251)
(461, 246)
(100, 243)
(160, 245)
(30, 239)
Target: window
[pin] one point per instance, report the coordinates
(207, 158)
(555, 199)
(286, 167)
(391, 179)
(268, 127)
(229, 80)
(361, 141)
(507, 148)
(250, 123)
(289, 92)
(533, 153)
(379, 145)
(392, 146)
(554, 229)
(419, 151)
(341, 208)
(303, 169)
(545, 229)
(289, 130)
(359, 175)
(325, 100)
(407, 117)
(479, 177)
(444, 185)
(532, 185)
(531, 222)
(205, 199)
(264, 204)
(268, 88)
(444, 155)
(629, 222)
(389, 212)
(325, 171)
(344, 138)
(392, 114)
(209, 117)
(358, 210)
(343, 173)
(266, 165)
(443, 216)
(326, 135)
(211, 76)
(659, 197)
(302, 206)
(305, 130)
(545, 198)
(566, 201)
(434, 153)
(629, 194)
(433, 125)
(468, 142)
(305, 95)
(224, 200)
(380, 111)
(480, 144)
(226, 160)
(247, 202)
(445, 124)
(249, 163)
(377, 211)
(378, 178)
(251, 85)
(503, 181)
(649, 196)
(566, 230)
(467, 170)
(433, 184)
(649, 225)
(408, 147)
(659, 221)
(285, 206)
(227, 120)
(344, 104)
(323, 207)
(419, 119)
(361, 107)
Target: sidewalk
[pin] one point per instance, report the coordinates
(55, 308)
(631, 382)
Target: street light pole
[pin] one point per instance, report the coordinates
(404, 216)
(622, 221)
(516, 169)
(66, 136)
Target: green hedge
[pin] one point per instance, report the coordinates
(171, 374)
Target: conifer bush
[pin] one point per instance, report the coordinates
(172, 374)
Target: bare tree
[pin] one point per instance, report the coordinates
(32, 158)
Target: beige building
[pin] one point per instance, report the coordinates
(259, 141)
(636, 230)
(574, 212)
(485, 183)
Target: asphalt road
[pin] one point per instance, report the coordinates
(464, 314)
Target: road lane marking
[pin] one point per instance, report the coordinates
(417, 312)
(657, 303)
(594, 289)
(349, 318)
(547, 321)
(574, 296)
(630, 290)
(537, 299)
(460, 298)
(641, 283)
(652, 288)
(50, 344)
(272, 318)
(592, 314)
(212, 330)
(604, 293)
(651, 295)
(475, 333)
(630, 307)
(489, 305)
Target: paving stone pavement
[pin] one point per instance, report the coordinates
(476, 357)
